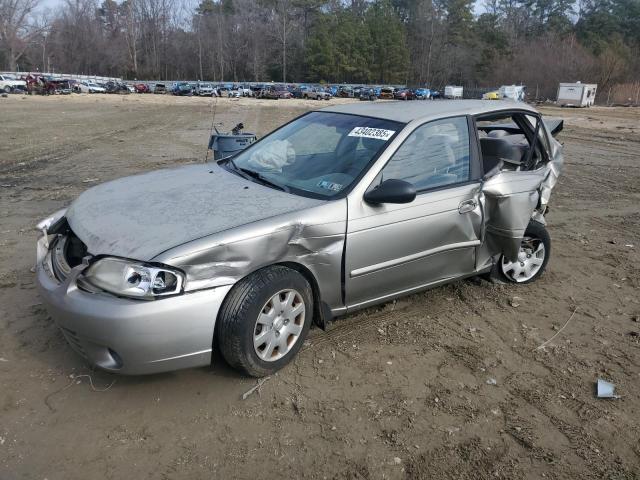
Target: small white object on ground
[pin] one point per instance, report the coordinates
(605, 389)
(492, 381)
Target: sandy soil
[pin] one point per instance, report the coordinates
(398, 391)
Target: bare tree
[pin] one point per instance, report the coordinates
(131, 29)
(19, 26)
(282, 20)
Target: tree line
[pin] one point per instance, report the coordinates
(414, 42)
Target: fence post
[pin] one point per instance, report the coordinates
(608, 95)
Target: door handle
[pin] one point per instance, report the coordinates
(467, 206)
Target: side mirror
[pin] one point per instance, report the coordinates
(391, 191)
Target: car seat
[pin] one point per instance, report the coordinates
(496, 149)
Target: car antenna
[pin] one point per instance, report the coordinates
(214, 108)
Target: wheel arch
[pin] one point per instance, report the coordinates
(321, 311)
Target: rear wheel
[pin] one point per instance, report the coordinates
(264, 320)
(532, 257)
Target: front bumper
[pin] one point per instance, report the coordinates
(130, 336)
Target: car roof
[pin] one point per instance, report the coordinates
(401, 111)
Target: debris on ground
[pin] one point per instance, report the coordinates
(246, 394)
(605, 389)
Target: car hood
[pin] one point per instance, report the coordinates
(141, 216)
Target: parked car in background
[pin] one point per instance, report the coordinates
(182, 89)
(245, 91)
(269, 92)
(387, 93)
(256, 88)
(299, 91)
(422, 93)
(494, 95)
(404, 94)
(62, 86)
(345, 92)
(283, 92)
(316, 93)
(367, 94)
(142, 88)
(39, 84)
(338, 210)
(116, 87)
(160, 88)
(9, 83)
(333, 90)
(90, 87)
(204, 89)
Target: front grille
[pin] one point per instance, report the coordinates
(73, 340)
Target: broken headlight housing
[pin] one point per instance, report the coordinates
(127, 278)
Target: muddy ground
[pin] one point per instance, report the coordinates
(399, 391)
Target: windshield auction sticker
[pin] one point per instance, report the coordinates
(368, 132)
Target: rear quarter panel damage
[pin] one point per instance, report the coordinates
(511, 200)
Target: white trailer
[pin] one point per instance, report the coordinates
(513, 92)
(451, 91)
(576, 94)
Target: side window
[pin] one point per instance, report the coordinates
(434, 155)
(504, 143)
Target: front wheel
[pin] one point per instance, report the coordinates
(264, 320)
(533, 256)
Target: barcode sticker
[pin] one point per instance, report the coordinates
(368, 132)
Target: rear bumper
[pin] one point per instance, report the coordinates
(131, 336)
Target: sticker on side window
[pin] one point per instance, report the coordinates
(334, 187)
(368, 132)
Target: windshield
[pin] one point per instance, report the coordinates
(320, 154)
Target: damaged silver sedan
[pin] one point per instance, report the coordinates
(342, 208)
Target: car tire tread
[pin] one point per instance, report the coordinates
(238, 312)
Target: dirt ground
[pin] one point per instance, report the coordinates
(399, 391)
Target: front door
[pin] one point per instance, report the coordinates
(393, 249)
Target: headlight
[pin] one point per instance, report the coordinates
(130, 279)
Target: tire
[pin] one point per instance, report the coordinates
(239, 332)
(533, 256)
